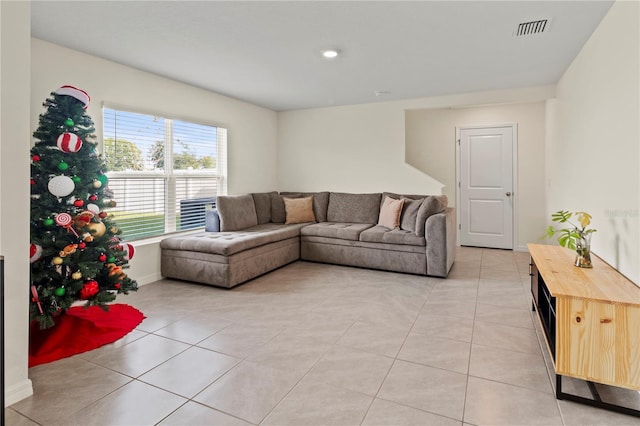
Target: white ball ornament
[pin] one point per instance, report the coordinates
(69, 142)
(61, 186)
(97, 184)
(93, 208)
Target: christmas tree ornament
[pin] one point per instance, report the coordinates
(93, 208)
(97, 229)
(89, 289)
(61, 186)
(82, 245)
(111, 259)
(62, 166)
(83, 218)
(35, 299)
(76, 275)
(48, 222)
(69, 122)
(129, 251)
(76, 179)
(69, 142)
(57, 260)
(66, 221)
(79, 94)
(60, 291)
(102, 257)
(87, 237)
(35, 252)
(93, 197)
(103, 179)
(114, 230)
(32, 181)
(97, 184)
(35, 158)
(103, 215)
(68, 249)
(117, 286)
(112, 203)
(78, 203)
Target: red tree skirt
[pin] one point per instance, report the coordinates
(79, 330)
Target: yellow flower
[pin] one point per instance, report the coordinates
(583, 218)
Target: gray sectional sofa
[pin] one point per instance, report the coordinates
(248, 235)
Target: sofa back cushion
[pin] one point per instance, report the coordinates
(354, 208)
(431, 205)
(262, 202)
(320, 203)
(236, 212)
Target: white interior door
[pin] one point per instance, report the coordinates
(486, 197)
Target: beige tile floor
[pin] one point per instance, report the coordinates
(313, 344)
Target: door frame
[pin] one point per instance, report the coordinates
(514, 171)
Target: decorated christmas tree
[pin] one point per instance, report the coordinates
(76, 250)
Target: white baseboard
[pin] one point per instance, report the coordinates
(147, 279)
(522, 248)
(17, 392)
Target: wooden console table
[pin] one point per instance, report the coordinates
(591, 321)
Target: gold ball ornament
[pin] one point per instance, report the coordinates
(76, 275)
(57, 260)
(114, 230)
(97, 229)
(97, 184)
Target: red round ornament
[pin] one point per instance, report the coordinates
(78, 203)
(129, 251)
(103, 214)
(93, 197)
(102, 257)
(89, 289)
(32, 181)
(117, 286)
(69, 142)
(35, 252)
(82, 245)
(35, 158)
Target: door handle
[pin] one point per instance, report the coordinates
(508, 194)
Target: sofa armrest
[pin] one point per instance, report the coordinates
(440, 233)
(212, 221)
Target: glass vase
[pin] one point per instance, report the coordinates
(583, 252)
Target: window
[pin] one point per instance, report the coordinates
(164, 173)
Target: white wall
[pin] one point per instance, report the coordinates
(252, 129)
(593, 151)
(430, 147)
(15, 34)
(361, 148)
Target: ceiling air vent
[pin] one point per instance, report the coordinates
(532, 27)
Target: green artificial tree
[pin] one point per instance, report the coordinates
(76, 250)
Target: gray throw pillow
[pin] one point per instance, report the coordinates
(431, 205)
(409, 215)
(236, 212)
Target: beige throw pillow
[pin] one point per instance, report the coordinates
(298, 210)
(390, 213)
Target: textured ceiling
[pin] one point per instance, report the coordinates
(268, 53)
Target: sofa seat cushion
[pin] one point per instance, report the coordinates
(228, 243)
(380, 234)
(341, 230)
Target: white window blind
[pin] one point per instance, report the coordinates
(164, 173)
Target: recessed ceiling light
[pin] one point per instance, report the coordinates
(381, 92)
(330, 53)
